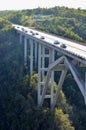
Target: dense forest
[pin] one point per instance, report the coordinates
(70, 23)
(18, 91)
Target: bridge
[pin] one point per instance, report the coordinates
(49, 54)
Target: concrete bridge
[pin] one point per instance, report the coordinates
(60, 54)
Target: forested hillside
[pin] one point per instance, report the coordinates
(18, 91)
(69, 23)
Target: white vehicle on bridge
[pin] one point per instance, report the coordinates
(63, 46)
(56, 42)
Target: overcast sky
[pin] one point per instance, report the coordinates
(30, 4)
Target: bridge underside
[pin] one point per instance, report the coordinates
(67, 64)
(46, 61)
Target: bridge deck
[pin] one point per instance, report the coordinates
(72, 50)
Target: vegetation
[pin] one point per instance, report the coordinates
(18, 91)
(69, 23)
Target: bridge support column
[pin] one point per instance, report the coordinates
(85, 89)
(31, 56)
(51, 60)
(43, 60)
(35, 54)
(39, 73)
(20, 38)
(25, 50)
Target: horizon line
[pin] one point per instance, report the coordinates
(42, 8)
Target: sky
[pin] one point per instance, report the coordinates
(30, 4)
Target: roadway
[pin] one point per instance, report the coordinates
(71, 47)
